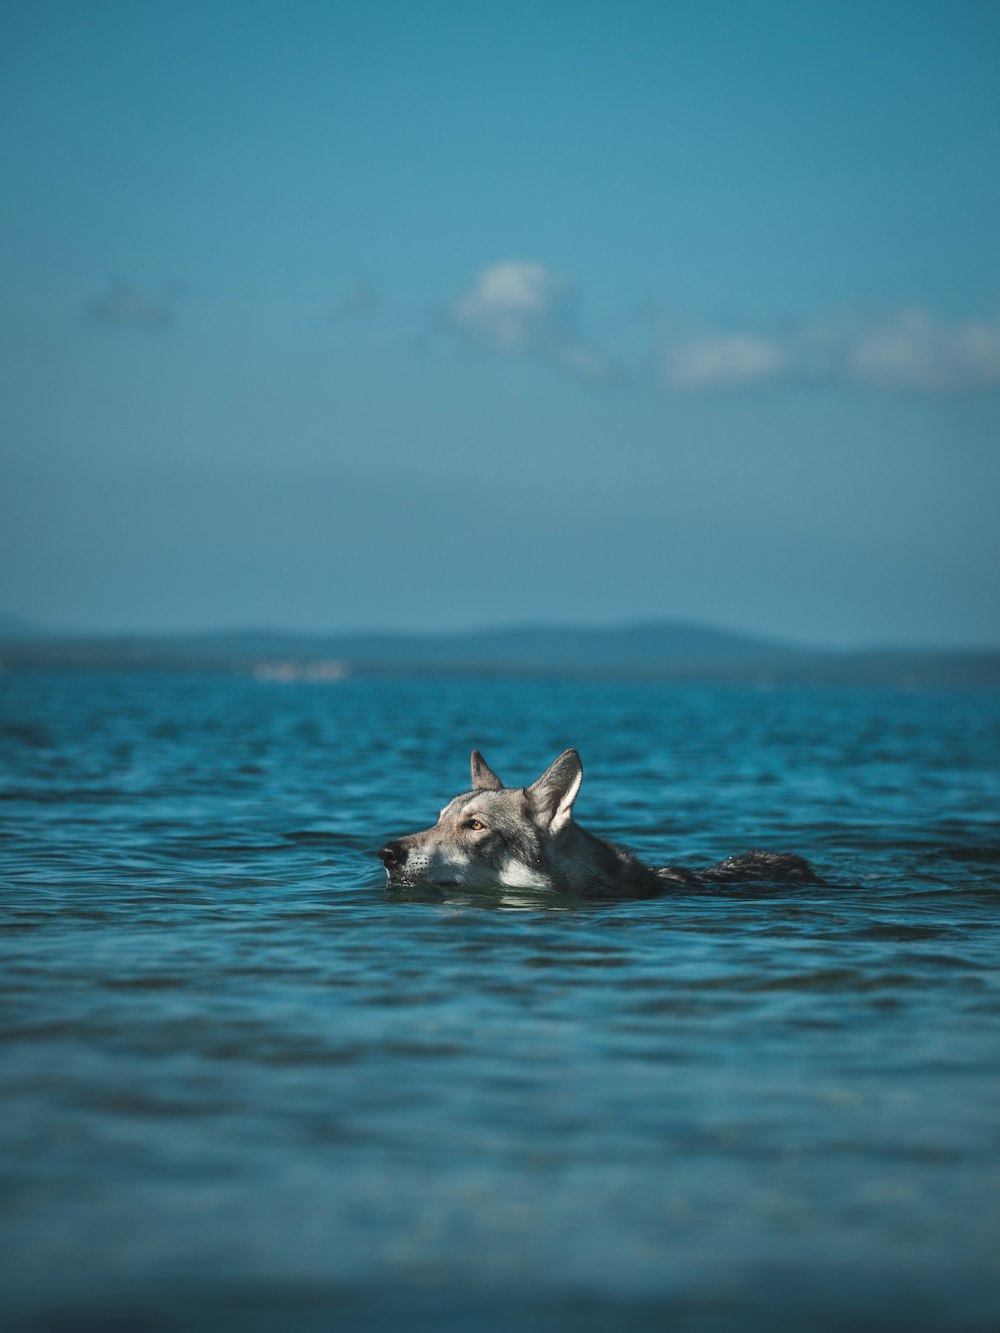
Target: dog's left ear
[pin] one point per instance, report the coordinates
(483, 777)
(555, 791)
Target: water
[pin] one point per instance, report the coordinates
(245, 1086)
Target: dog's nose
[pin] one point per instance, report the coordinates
(392, 854)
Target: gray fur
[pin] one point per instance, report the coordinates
(483, 777)
(528, 840)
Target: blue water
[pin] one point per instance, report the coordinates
(244, 1086)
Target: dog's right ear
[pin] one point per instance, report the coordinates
(554, 792)
(483, 777)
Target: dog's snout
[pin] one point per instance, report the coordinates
(392, 854)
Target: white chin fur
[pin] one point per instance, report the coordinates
(516, 875)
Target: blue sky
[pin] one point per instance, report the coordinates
(436, 315)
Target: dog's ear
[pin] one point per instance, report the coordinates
(483, 777)
(555, 791)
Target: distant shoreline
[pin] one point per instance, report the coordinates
(666, 651)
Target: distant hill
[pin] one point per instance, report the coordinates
(641, 647)
(671, 649)
(522, 648)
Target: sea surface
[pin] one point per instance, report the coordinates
(243, 1085)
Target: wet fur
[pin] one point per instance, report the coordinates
(530, 841)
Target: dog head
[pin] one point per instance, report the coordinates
(492, 835)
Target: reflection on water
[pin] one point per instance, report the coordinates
(246, 1086)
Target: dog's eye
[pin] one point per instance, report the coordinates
(475, 824)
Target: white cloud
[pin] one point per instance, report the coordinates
(911, 351)
(908, 351)
(727, 362)
(521, 306)
(588, 363)
(515, 306)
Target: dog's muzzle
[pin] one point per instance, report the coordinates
(393, 857)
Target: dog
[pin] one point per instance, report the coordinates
(525, 838)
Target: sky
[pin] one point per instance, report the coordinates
(437, 315)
